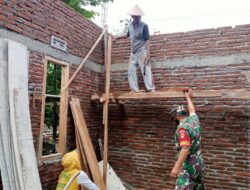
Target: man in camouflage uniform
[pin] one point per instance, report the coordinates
(189, 167)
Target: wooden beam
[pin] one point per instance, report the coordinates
(235, 94)
(82, 129)
(55, 61)
(21, 139)
(40, 149)
(105, 107)
(84, 60)
(155, 95)
(82, 155)
(63, 111)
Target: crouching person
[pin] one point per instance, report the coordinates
(71, 178)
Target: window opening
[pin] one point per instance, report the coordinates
(52, 109)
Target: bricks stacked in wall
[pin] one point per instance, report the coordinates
(41, 19)
(141, 132)
(142, 148)
(207, 42)
(85, 84)
(36, 71)
(49, 173)
(197, 77)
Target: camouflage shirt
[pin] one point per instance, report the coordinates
(188, 134)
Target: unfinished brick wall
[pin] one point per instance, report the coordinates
(86, 83)
(213, 42)
(141, 132)
(39, 19)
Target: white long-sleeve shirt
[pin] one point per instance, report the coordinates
(84, 180)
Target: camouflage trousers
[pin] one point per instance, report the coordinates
(191, 176)
(187, 182)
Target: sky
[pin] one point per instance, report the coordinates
(169, 16)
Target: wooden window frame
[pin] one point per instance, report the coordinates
(62, 113)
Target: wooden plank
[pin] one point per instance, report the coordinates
(16, 79)
(79, 151)
(84, 60)
(25, 140)
(86, 141)
(22, 138)
(55, 61)
(82, 155)
(40, 149)
(105, 107)
(224, 93)
(155, 95)
(53, 96)
(63, 111)
(6, 164)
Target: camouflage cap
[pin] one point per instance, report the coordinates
(178, 109)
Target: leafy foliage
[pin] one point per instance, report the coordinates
(79, 6)
(51, 119)
(54, 73)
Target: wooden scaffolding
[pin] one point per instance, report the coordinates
(119, 97)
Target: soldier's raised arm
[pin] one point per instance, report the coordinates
(188, 95)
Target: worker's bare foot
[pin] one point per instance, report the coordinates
(133, 91)
(152, 90)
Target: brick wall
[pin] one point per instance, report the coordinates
(86, 83)
(141, 132)
(213, 42)
(39, 19)
(142, 148)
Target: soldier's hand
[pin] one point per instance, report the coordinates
(175, 172)
(188, 93)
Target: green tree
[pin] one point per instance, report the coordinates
(79, 6)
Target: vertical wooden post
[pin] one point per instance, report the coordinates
(108, 47)
(63, 111)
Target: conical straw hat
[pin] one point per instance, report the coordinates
(136, 11)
